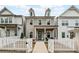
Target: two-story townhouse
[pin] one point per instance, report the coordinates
(67, 22)
(10, 24)
(40, 27)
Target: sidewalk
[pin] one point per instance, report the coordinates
(40, 47)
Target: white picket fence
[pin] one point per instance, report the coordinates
(61, 45)
(15, 43)
(30, 44)
(8, 40)
(51, 45)
(68, 43)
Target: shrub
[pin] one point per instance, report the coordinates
(46, 39)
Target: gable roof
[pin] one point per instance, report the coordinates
(5, 9)
(71, 8)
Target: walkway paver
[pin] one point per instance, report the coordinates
(40, 47)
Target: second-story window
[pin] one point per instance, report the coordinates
(10, 20)
(76, 23)
(31, 22)
(6, 20)
(39, 22)
(2, 20)
(48, 23)
(64, 23)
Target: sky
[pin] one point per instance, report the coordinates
(39, 10)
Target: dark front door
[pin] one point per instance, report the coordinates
(39, 35)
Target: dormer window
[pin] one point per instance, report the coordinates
(47, 13)
(39, 22)
(31, 11)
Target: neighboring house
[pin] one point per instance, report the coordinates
(68, 22)
(40, 27)
(10, 24)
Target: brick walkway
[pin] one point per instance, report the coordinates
(40, 47)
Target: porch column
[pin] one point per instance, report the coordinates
(5, 32)
(17, 30)
(53, 33)
(44, 34)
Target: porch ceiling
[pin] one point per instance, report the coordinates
(45, 26)
(8, 25)
(74, 30)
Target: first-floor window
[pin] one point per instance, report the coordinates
(63, 34)
(31, 34)
(8, 32)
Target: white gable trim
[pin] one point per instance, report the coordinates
(74, 8)
(5, 9)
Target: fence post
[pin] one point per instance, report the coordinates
(51, 45)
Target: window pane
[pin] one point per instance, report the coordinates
(8, 32)
(2, 21)
(66, 24)
(63, 34)
(62, 24)
(76, 24)
(30, 13)
(10, 20)
(6, 20)
(48, 23)
(31, 34)
(39, 22)
(31, 22)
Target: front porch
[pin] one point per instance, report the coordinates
(8, 30)
(43, 33)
